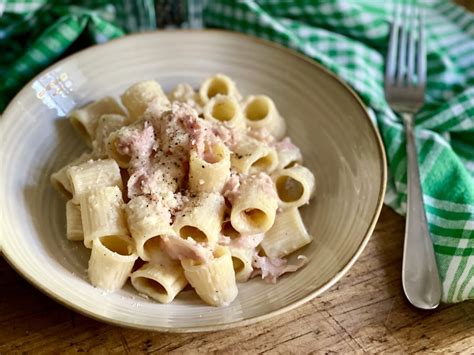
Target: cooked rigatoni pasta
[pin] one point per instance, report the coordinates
(139, 96)
(201, 219)
(288, 154)
(226, 110)
(254, 208)
(294, 186)
(252, 156)
(92, 174)
(161, 280)
(86, 119)
(74, 229)
(102, 212)
(107, 124)
(218, 84)
(111, 262)
(213, 281)
(209, 172)
(193, 187)
(286, 235)
(112, 148)
(185, 93)
(260, 112)
(148, 221)
(242, 263)
(60, 179)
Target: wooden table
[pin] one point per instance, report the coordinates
(365, 311)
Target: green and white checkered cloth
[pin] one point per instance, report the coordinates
(350, 38)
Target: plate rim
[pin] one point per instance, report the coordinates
(244, 322)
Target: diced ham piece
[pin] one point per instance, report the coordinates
(224, 240)
(231, 188)
(285, 144)
(271, 269)
(178, 249)
(247, 241)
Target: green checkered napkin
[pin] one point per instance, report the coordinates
(347, 36)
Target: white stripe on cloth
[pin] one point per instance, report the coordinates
(426, 134)
(466, 60)
(462, 49)
(448, 205)
(453, 40)
(446, 241)
(469, 165)
(466, 225)
(463, 125)
(443, 205)
(452, 268)
(462, 278)
(468, 289)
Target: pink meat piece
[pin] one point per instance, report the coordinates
(231, 187)
(285, 144)
(228, 136)
(247, 241)
(271, 269)
(224, 240)
(178, 249)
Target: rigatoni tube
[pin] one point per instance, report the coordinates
(254, 207)
(287, 234)
(294, 186)
(213, 281)
(111, 262)
(242, 263)
(162, 282)
(288, 154)
(139, 96)
(102, 214)
(209, 172)
(107, 124)
(201, 219)
(93, 174)
(260, 112)
(215, 85)
(225, 110)
(85, 119)
(74, 229)
(60, 179)
(251, 156)
(148, 221)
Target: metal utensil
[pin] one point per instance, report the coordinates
(405, 79)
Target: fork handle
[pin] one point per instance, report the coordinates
(420, 276)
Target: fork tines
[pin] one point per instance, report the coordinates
(406, 59)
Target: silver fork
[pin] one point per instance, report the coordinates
(405, 79)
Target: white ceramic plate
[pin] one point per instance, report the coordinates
(325, 118)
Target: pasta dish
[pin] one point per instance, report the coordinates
(190, 187)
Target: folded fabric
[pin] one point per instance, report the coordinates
(347, 36)
(36, 33)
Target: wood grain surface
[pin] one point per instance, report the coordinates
(366, 312)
